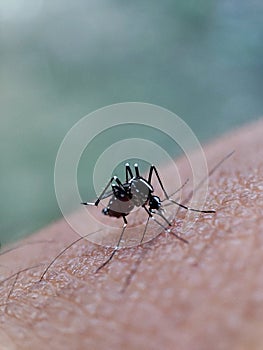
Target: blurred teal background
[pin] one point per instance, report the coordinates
(60, 60)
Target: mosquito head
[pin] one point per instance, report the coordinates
(155, 202)
(105, 211)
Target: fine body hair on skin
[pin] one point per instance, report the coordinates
(202, 295)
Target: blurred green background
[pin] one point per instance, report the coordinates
(60, 60)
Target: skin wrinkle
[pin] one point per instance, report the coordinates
(205, 295)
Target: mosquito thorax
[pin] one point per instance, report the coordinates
(140, 191)
(122, 194)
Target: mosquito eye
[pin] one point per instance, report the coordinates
(105, 211)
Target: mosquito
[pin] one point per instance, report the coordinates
(137, 191)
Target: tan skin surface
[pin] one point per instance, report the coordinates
(162, 295)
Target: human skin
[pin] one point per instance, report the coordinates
(165, 294)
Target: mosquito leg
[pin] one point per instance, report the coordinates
(145, 229)
(165, 229)
(107, 194)
(136, 167)
(192, 209)
(128, 172)
(178, 237)
(150, 213)
(163, 217)
(170, 232)
(101, 196)
(117, 246)
(153, 169)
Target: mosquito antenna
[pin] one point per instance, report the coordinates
(63, 251)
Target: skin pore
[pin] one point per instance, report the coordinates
(165, 294)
